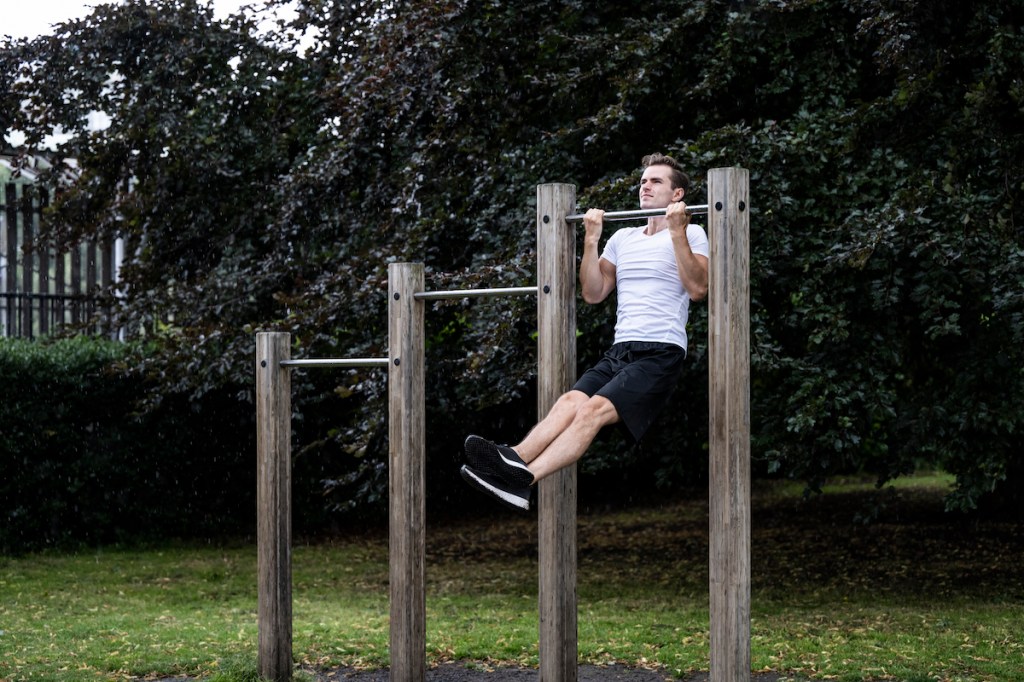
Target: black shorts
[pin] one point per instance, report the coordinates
(638, 377)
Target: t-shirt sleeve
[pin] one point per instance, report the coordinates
(698, 240)
(611, 248)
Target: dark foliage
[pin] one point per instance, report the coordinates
(269, 191)
(82, 466)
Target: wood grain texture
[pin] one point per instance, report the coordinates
(406, 472)
(273, 501)
(729, 447)
(556, 373)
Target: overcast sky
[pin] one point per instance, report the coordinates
(31, 18)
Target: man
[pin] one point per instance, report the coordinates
(657, 270)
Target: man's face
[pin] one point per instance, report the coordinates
(656, 189)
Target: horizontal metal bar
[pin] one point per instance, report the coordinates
(476, 293)
(336, 362)
(696, 209)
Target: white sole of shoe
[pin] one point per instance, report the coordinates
(503, 496)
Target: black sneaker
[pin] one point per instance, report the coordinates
(516, 497)
(502, 461)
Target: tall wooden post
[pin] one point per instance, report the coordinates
(729, 395)
(406, 473)
(273, 499)
(556, 372)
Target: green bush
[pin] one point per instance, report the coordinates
(82, 465)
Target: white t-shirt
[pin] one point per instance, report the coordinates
(652, 303)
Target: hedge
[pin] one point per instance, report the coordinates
(82, 464)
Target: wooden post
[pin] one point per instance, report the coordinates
(406, 473)
(556, 372)
(274, 504)
(729, 395)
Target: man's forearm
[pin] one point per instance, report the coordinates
(591, 279)
(693, 270)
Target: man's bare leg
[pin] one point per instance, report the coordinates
(551, 427)
(568, 446)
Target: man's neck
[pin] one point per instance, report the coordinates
(655, 225)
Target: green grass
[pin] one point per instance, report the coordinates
(914, 596)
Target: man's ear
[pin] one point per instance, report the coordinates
(678, 193)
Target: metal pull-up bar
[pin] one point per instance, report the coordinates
(336, 362)
(474, 293)
(319, 363)
(611, 216)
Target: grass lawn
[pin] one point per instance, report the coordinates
(915, 596)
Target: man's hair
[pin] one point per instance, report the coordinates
(678, 177)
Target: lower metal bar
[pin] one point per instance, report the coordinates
(337, 362)
(697, 209)
(476, 293)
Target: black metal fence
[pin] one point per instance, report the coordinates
(41, 289)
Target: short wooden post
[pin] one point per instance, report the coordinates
(273, 500)
(556, 372)
(406, 473)
(729, 395)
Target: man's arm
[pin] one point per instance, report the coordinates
(597, 275)
(693, 268)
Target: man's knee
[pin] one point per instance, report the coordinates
(572, 400)
(598, 411)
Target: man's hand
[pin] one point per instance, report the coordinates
(678, 217)
(693, 269)
(593, 224)
(597, 275)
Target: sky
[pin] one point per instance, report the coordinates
(31, 18)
